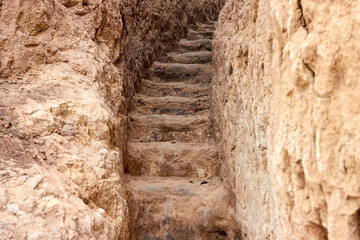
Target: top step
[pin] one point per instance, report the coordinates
(205, 27)
(195, 35)
(196, 45)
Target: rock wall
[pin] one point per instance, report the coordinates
(67, 71)
(241, 110)
(285, 109)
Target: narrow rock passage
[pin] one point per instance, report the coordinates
(172, 161)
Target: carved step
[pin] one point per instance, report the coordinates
(195, 45)
(205, 27)
(162, 128)
(176, 89)
(195, 35)
(170, 105)
(192, 57)
(172, 159)
(175, 208)
(175, 72)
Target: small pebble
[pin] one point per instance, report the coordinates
(68, 130)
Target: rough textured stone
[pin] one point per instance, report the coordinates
(64, 67)
(286, 110)
(68, 130)
(241, 109)
(176, 208)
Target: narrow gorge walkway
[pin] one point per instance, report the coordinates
(172, 162)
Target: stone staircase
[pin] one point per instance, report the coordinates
(172, 162)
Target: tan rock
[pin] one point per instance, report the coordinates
(67, 70)
(285, 99)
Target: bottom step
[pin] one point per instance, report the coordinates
(178, 208)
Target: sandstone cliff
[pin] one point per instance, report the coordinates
(64, 68)
(285, 106)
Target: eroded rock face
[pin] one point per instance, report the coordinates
(241, 108)
(61, 179)
(286, 109)
(63, 69)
